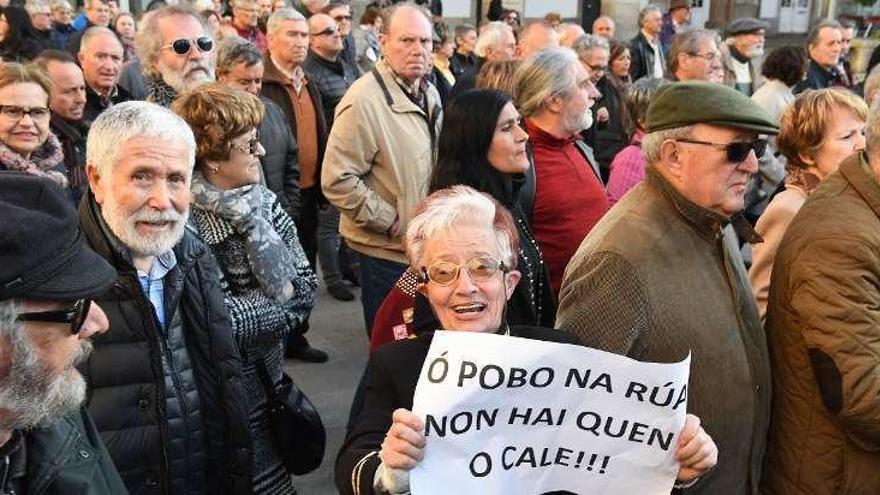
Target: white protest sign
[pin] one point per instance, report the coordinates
(517, 416)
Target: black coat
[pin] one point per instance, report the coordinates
(818, 78)
(331, 79)
(127, 375)
(95, 104)
(72, 136)
(65, 457)
(391, 378)
(643, 57)
(610, 136)
(281, 161)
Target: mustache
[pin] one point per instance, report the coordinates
(151, 215)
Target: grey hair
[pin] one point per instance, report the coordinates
(60, 4)
(148, 40)
(281, 15)
(585, 44)
(92, 33)
(125, 121)
(233, 51)
(647, 10)
(542, 75)
(652, 141)
(688, 42)
(446, 209)
(489, 37)
(31, 6)
(639, 96)
(813, 35)
(9, 310)
(463, 29)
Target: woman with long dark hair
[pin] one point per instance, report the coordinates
(16, 42)
(481, 145)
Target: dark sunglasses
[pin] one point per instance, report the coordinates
(183, 45)
(75, 315)
(330, 31)
(737, 151)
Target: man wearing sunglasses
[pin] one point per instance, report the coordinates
(661, 276)
(48, 443)
(175, 52)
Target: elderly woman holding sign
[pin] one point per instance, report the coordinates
(464, 245)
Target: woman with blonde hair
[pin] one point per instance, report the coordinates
(268, 286)
(817, 132)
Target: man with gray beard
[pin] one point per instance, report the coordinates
(742, 54)
(563, 195)
(166, 389)
(174, 47)
(48, 443)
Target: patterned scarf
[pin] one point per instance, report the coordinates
(159, 92)
(43, 162)
(271, 261)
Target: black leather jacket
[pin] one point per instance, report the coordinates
(643, 57)
(169, 402)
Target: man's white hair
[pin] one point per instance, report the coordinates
(281, 15)
(490, 37)
(447, 209)
(120, 123)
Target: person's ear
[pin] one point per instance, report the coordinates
(671, 158)
(95, 182)
(807, 159)
(555, 103)
(511, 279)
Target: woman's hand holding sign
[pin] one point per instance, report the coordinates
(402, 449)
(697, 452)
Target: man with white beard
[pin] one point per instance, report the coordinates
(47, 279)
(174, 46)
(166, 389)
(741, 55)
(564, 195)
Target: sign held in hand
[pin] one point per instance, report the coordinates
(511, 415)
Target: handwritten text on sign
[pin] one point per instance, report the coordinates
(510, 415)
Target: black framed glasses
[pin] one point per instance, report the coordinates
(252, 146)
(75, 315)
(480, 268)
(15, 112)
(737, 151)
(182, 46)
(330, 31)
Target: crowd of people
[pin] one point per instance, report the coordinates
(171, 182)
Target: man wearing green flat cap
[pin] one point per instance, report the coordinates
(660, 276)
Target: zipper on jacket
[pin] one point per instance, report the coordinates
(6, 467)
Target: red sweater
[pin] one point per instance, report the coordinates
(569, 199)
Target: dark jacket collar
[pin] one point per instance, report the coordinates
(335, 66)
(69, 129)
(706, 222)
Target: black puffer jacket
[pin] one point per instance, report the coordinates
(281, 161)
(332, 79)
(169, 403)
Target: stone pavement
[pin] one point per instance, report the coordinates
(338, 328)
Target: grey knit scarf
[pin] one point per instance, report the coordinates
(272, 263)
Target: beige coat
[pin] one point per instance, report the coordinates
(823, 328)
(378, 161)
(771, 227)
